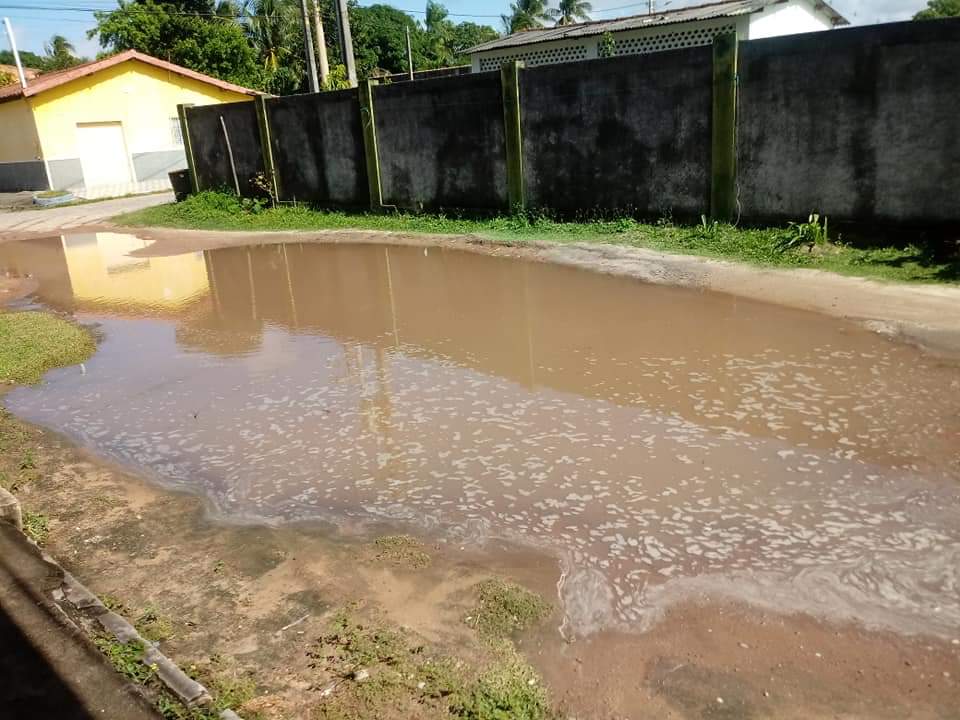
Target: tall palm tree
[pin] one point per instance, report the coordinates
(526, 15)
(571, 11)
(59, 54)
(274, 29)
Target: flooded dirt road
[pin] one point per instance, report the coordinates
(660, 444)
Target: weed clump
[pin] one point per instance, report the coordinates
(377, 672)
(504, 608)
(36, 526)
(401, 550)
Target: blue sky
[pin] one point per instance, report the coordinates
(34, 21)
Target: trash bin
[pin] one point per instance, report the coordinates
(180, 180)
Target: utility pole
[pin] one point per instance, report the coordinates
(346, 42)
(650, 7)
(308, 43)
(321, 44)
(16, 55)
(409, 55)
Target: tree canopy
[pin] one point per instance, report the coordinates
(571, 11)
(939, 9)
(526, 15)
(260, 43)
(191, 33)
(58, 55)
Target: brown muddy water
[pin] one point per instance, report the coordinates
(661, 444)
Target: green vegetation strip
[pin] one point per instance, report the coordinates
(379, 672)
(803, 244)
(32, 343)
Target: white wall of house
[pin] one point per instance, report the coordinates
(795, 16)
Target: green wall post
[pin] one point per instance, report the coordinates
(369, 121)
(510, 86)
(263, 125)
(723, 175)
(188, 145)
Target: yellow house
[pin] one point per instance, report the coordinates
(107, 127)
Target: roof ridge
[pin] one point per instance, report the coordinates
(48, 81)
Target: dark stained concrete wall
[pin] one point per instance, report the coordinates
(861, 124)
(318, 148)
(26, 175)
(441, 142)
(210, 146)
(858, 124)
(629, 133)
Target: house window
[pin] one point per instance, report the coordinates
(175, 134)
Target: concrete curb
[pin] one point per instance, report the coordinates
(72, 591)
(10, 509)
(189, 691)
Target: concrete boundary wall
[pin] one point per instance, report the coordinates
(860, 125)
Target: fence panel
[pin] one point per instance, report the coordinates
(859, 124)
(210, 146)
(441, 143)
(627, 133)
(318, 148)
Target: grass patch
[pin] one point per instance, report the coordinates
(153, 625)
(31, 343)
(126, 658)
(401, 550)
(795, 245)
(379, 672)
(19, 465)
(36, 526)
(504, 609)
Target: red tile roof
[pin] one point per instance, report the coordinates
(47, 81)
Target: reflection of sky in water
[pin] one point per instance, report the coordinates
(661, 442)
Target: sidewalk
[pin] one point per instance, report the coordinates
(49, 667)
(30, 222)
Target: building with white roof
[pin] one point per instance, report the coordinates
(639, 34)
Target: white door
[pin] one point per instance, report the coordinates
(103, 154)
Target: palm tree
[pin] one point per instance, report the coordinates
(275, 31)
(571, 11)
(59, 54)
(526, 15)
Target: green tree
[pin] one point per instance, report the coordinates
(275, 30)
(526, 15)
(59, 54)
(443, 42)
(185, 32)
(939, 9)
(29, 59)
(380, 40)
(438, 35)
(571, 11)
(466, 35)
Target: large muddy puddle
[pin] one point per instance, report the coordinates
(660, 443)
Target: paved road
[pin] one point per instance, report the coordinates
(25, 222)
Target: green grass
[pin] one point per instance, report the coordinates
(36, 526)
(504, 609)
(791, 246)
(31, 343)
(401, 550)
(381, 673)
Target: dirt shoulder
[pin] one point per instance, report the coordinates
(925, 315)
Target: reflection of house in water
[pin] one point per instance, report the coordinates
(96, 271)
